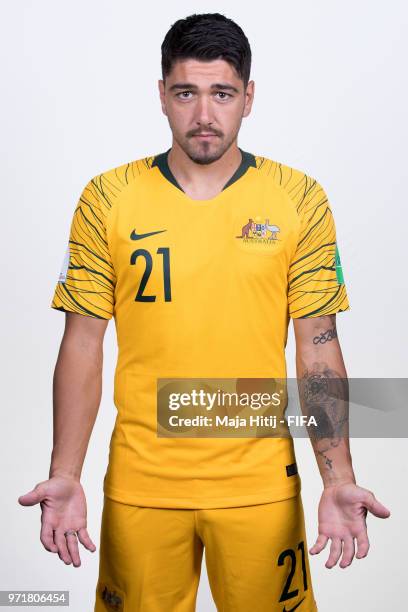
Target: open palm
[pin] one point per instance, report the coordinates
(342, 518)
(63, 507)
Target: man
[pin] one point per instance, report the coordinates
(202, 254)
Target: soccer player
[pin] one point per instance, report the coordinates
(202, 254)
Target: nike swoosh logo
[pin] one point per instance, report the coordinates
(135, 236)
(291, 609)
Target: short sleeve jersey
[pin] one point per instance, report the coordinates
(199, 288)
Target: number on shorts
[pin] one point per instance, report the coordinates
(289, 552)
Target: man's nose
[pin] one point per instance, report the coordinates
(203, 111)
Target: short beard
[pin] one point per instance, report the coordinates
(205, 160)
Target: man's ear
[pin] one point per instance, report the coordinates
(160, 84)
(249, 98)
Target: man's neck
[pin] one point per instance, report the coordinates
(203, 181)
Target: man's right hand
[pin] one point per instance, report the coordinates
(63, 508)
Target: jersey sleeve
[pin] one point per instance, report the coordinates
(87, 279)
(316, 284)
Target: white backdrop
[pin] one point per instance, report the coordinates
(80, 96)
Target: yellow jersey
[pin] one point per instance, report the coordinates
(199, 288)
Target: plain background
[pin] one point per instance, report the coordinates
(80, 96)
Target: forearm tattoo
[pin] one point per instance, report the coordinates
(324, 395)
(325, 336)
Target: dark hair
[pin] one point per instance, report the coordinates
(207, 37)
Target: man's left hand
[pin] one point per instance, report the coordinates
(342, 517)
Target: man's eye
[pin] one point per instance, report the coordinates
(184, 95)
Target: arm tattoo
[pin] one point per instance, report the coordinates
(324, 395)
(325, 336)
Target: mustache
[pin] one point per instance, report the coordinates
(204, 132)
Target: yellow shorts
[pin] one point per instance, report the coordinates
(256, 558)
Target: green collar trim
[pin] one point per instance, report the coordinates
(160, 160)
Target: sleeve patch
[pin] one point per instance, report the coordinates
(339, 270)
(63, 274)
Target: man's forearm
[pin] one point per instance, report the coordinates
(77, 388)
(323, 393)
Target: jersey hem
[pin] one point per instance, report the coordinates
(88, 314)
(263, 497)
(320, 314)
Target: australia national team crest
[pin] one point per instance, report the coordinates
(259, 230)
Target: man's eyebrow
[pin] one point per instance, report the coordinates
(225, 86)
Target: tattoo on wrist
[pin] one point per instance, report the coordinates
(327, 460)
